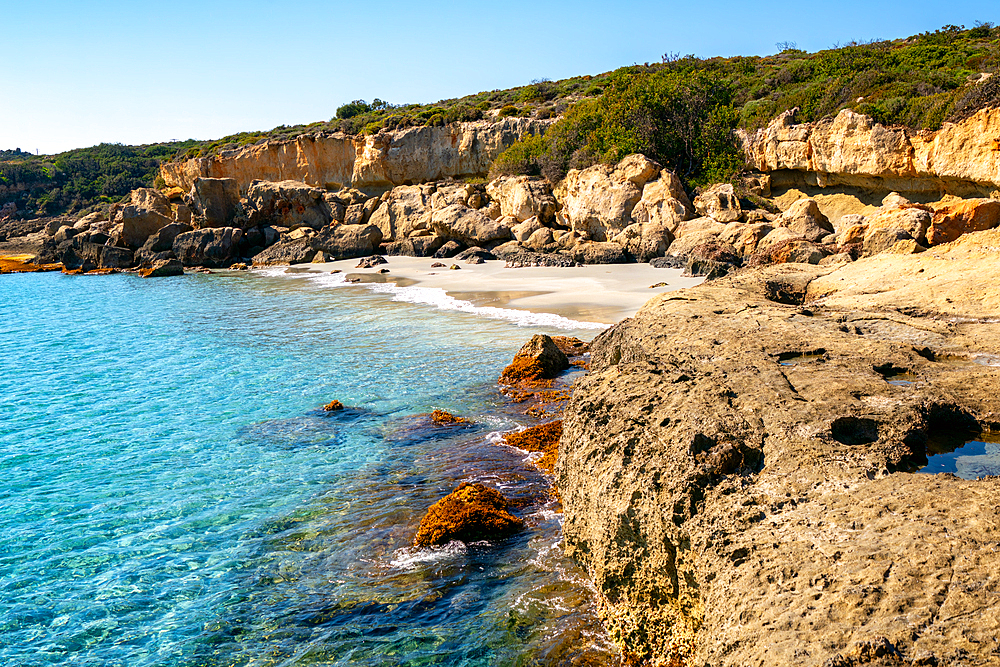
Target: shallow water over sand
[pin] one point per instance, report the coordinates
(171, 495)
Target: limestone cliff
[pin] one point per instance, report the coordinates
(853, 150)
(737, 477)
(375, 162)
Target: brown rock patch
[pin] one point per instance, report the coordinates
(470, 513)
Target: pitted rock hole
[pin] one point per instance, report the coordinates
(957, 443)
(896, 375)
(785, 292)
(793, 358)
(853, 431)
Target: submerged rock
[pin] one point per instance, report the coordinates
(542, 438)
(470, 513)
(442, 417)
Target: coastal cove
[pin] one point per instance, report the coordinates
(177, 497)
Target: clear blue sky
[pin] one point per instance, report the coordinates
(76, 74)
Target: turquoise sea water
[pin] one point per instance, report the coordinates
(170, 495)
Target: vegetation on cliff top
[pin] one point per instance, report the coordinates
(78, 180)
(681, 112)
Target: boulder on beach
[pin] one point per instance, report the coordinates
(470, 513)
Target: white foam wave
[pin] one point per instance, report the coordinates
(440, 299)
(409, 558)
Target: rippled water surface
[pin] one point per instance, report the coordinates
(169, 494)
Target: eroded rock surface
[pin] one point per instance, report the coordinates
(736, 468)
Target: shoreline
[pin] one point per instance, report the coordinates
(600, 293)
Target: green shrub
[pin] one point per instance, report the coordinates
(508, 110)
(437, 120)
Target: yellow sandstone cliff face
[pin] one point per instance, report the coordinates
(853, 150)
(376, 162)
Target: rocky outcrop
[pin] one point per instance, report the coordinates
(348, 241)
(213, 247)
(134, 225)
(467, 225)
(853, 150)
(374, 162)
(523, 197)
(737, 468)
(216, 201)
(290, 204)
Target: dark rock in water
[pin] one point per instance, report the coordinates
(438, 265)
(712, 260)
(668, 262)
(470, 513)
(216, 247)
(115, 258)
(299, 251)
(383, 270)
(160, 242)
(474, 252)
(163, 268)
(539, 359)
(371, 262)
(415, 429)
(454, 267)
(448, 250)
(475, 259)
(75, 254)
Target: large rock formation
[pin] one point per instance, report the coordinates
(737, 468)
(853, 150)
(377, 162)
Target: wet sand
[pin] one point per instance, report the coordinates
(596, 293)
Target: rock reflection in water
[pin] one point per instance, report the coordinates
(978, 457)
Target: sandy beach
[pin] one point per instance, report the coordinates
(603, 293)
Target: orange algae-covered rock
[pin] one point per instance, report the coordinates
(539, 359)
(442, 417)
(542, 438)
(333, 406)
(470, 513)
(22, 264)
